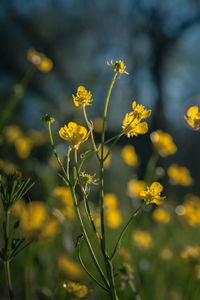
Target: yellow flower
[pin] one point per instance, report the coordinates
(179, 175)
(113, 218)
(193, 117)
(108, 159)
(166, 254)
(163, 143)
(65, 201)
(135, 187)
(43, 63)
(12, 133)
(7, 167)
(110, 201)
(129, 155)
(192, 210)
(74, 134)
(142, 239)
(112, 214)
(152, 194)
(83, 97)
(161, 216)
(132, 122)
(68, 268)
(76, 289)
(119, 66)
(191, 253)
(23, 147)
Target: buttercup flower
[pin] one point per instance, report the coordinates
(43, 63)
(69, 268)
(193, 117)
(64, 201)
(132, 122)
(152, 194)
(112, 213)
(163, 143)
(192, 210)
(83, 97)
(166, 254)
(119, 66)
(179, 175)
(74, 134)
(129, 155)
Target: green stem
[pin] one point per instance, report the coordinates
(86, 205)
(117, 247)
(7, 261)
(91, 132)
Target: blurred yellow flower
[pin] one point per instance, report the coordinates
(152, 194)
(108, 159)
(142, 239)
(191, 214)
(74, 134)
(43, 63)
(110, 201)
(50, 228)
(179, 175)
(113, 218)
(161, 216)
(191, 253)
(65, 201)
(163, 143)
(135, 187)
(112, 213)
(119, 66)
(129, 155)
(12, 133)
(83, 97)
(68, 268)
(193, 117)
(132, 121)
(23, 147)
(7, 167)
(76, 289)
(166, 254)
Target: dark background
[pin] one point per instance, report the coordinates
(159, 42)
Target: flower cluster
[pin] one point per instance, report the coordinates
(193, 117)
(83, 97)
(152, 194)
(74, 134)
(35, 221)
(132, 124)
(43, 63)
(113, 215)
(163, 143)
(75, 289)
(179, 175)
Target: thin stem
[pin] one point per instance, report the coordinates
(117, 247)
(72, 188)
(101, 194)
(7, 261)
(68, 160)
(56, 155)
(91, 131)
(89, 274)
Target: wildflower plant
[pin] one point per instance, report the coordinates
(75, 177)
(11, 192)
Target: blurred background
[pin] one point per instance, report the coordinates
(159, 42)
